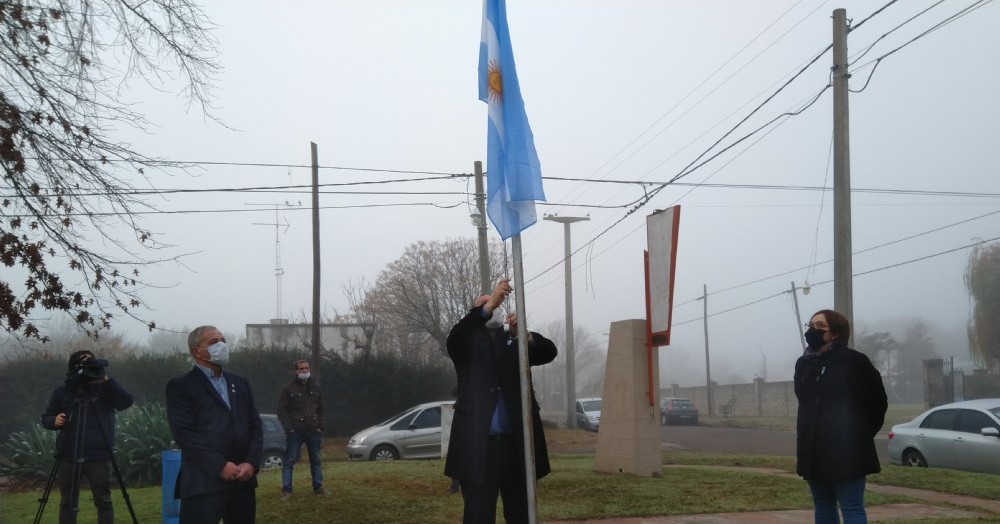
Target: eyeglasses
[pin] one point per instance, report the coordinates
(817, 326)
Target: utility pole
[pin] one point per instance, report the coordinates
(708, 366)
(485, 286)
(798, 318)
(316, 267)
(843, 285)
(570, 349)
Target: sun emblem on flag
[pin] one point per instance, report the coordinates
(494, 81)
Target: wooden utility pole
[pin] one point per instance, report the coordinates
(843, 285)
(485, 286)
(316, 272)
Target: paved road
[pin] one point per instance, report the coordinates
(743, 440)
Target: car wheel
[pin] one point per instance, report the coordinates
(384, 452)
(914, 458)
(272, 459)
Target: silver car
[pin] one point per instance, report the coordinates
(412, 434)
(588, 413)
(962, 435)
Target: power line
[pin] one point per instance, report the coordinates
(694, 165)
(191, 163)
(933, 28)
(307, 189)
(876, 270)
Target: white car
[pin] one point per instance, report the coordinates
(412, 434)
(961, 435)
(588, 413)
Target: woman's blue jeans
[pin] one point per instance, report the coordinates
(293, 448)
(850, 494)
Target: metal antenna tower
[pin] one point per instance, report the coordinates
(278, 270)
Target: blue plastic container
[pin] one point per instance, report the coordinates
(171, 462)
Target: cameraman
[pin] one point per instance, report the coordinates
(88, 390)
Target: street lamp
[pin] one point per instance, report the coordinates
(570, 359)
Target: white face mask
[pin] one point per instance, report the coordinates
(304, 376)
(496, 320)
(218, 353)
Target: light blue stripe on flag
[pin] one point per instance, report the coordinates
(513, 174)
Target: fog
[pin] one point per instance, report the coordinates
(616, 91)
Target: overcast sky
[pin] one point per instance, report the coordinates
(615, 90)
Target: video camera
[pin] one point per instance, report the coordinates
(87, 370)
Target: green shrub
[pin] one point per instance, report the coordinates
(142, 433)
(29, 455)
(356, 394)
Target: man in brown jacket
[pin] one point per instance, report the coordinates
(300, 411)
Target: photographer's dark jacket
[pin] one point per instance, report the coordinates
(842, 405)
(97, 404)
(300, 407)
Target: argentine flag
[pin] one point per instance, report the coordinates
(513, 174)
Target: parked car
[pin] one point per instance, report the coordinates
(588, 413)
(678, 411)
(961, 435)
(274, 442)
(412, 434)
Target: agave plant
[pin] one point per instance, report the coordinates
(142, 435)
(29, 454)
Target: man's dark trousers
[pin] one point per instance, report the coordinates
(504, 476)
(237, 504)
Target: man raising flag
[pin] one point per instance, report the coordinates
(514, 183)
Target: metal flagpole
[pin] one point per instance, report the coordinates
(522, 354)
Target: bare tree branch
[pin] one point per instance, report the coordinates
(63, 170)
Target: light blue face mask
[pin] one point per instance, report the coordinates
(218, 353)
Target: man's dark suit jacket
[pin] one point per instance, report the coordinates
(486, 366)
(210, 434)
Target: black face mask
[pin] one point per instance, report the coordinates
(814, 338)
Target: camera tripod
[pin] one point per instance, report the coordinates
(81, 405)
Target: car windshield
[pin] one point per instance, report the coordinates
(995, 411)
(396, 417)
(591, 405)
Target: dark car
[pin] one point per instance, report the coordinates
(678, 411)
(274, 442)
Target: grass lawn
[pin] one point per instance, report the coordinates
(896, 414)
(416, 491)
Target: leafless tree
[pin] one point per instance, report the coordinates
(418, 298)
(589, 358)
(361, 313)
(68, 180)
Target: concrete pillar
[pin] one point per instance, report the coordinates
(629, 437)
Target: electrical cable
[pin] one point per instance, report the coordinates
(883, 268)
(933, 28)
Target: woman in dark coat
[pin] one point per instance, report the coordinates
(842, 405)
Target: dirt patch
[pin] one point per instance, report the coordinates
(571, 441)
